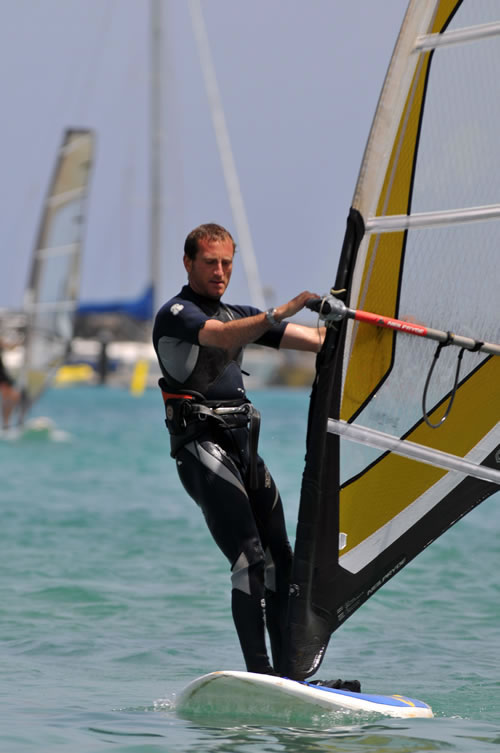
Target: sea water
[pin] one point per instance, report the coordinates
(113, 597)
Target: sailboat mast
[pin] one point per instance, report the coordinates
(156, 151)
(226, 157)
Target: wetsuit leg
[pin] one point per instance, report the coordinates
(212, 478)
(268, 512)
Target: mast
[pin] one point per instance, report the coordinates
(226, 157)
(156, 151)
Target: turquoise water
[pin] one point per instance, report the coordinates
(113, 597)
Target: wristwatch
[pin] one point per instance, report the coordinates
(270, 316)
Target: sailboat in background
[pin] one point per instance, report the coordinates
(53, 287)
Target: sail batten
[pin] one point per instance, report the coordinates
(396, 223)
(389, 442)
(62, 198)
(403, 433)
(69, 248)
(459, 36)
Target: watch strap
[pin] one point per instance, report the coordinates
(270, 316)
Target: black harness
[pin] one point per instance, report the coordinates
(188, 412)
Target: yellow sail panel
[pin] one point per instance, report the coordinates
(395, 482)
(444, 9)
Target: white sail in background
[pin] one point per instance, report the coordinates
(52, 291)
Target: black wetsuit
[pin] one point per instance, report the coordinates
(214, 460)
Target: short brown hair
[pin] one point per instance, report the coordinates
(209, 232)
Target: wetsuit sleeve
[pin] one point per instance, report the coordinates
(271, 338)
(181, 320)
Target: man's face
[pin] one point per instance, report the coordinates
(210, 271)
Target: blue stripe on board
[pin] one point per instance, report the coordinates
(388, 700)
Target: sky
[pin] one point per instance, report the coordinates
(299, 82)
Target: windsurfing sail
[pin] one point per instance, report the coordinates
(421, 248)
(52, 291)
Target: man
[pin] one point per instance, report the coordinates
(199, 342)
(10, 396)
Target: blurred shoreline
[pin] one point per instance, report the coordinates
(117, 352)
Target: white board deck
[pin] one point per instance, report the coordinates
(247, 694)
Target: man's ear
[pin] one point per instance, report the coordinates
(188, 263)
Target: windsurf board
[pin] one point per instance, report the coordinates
(245, 694)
